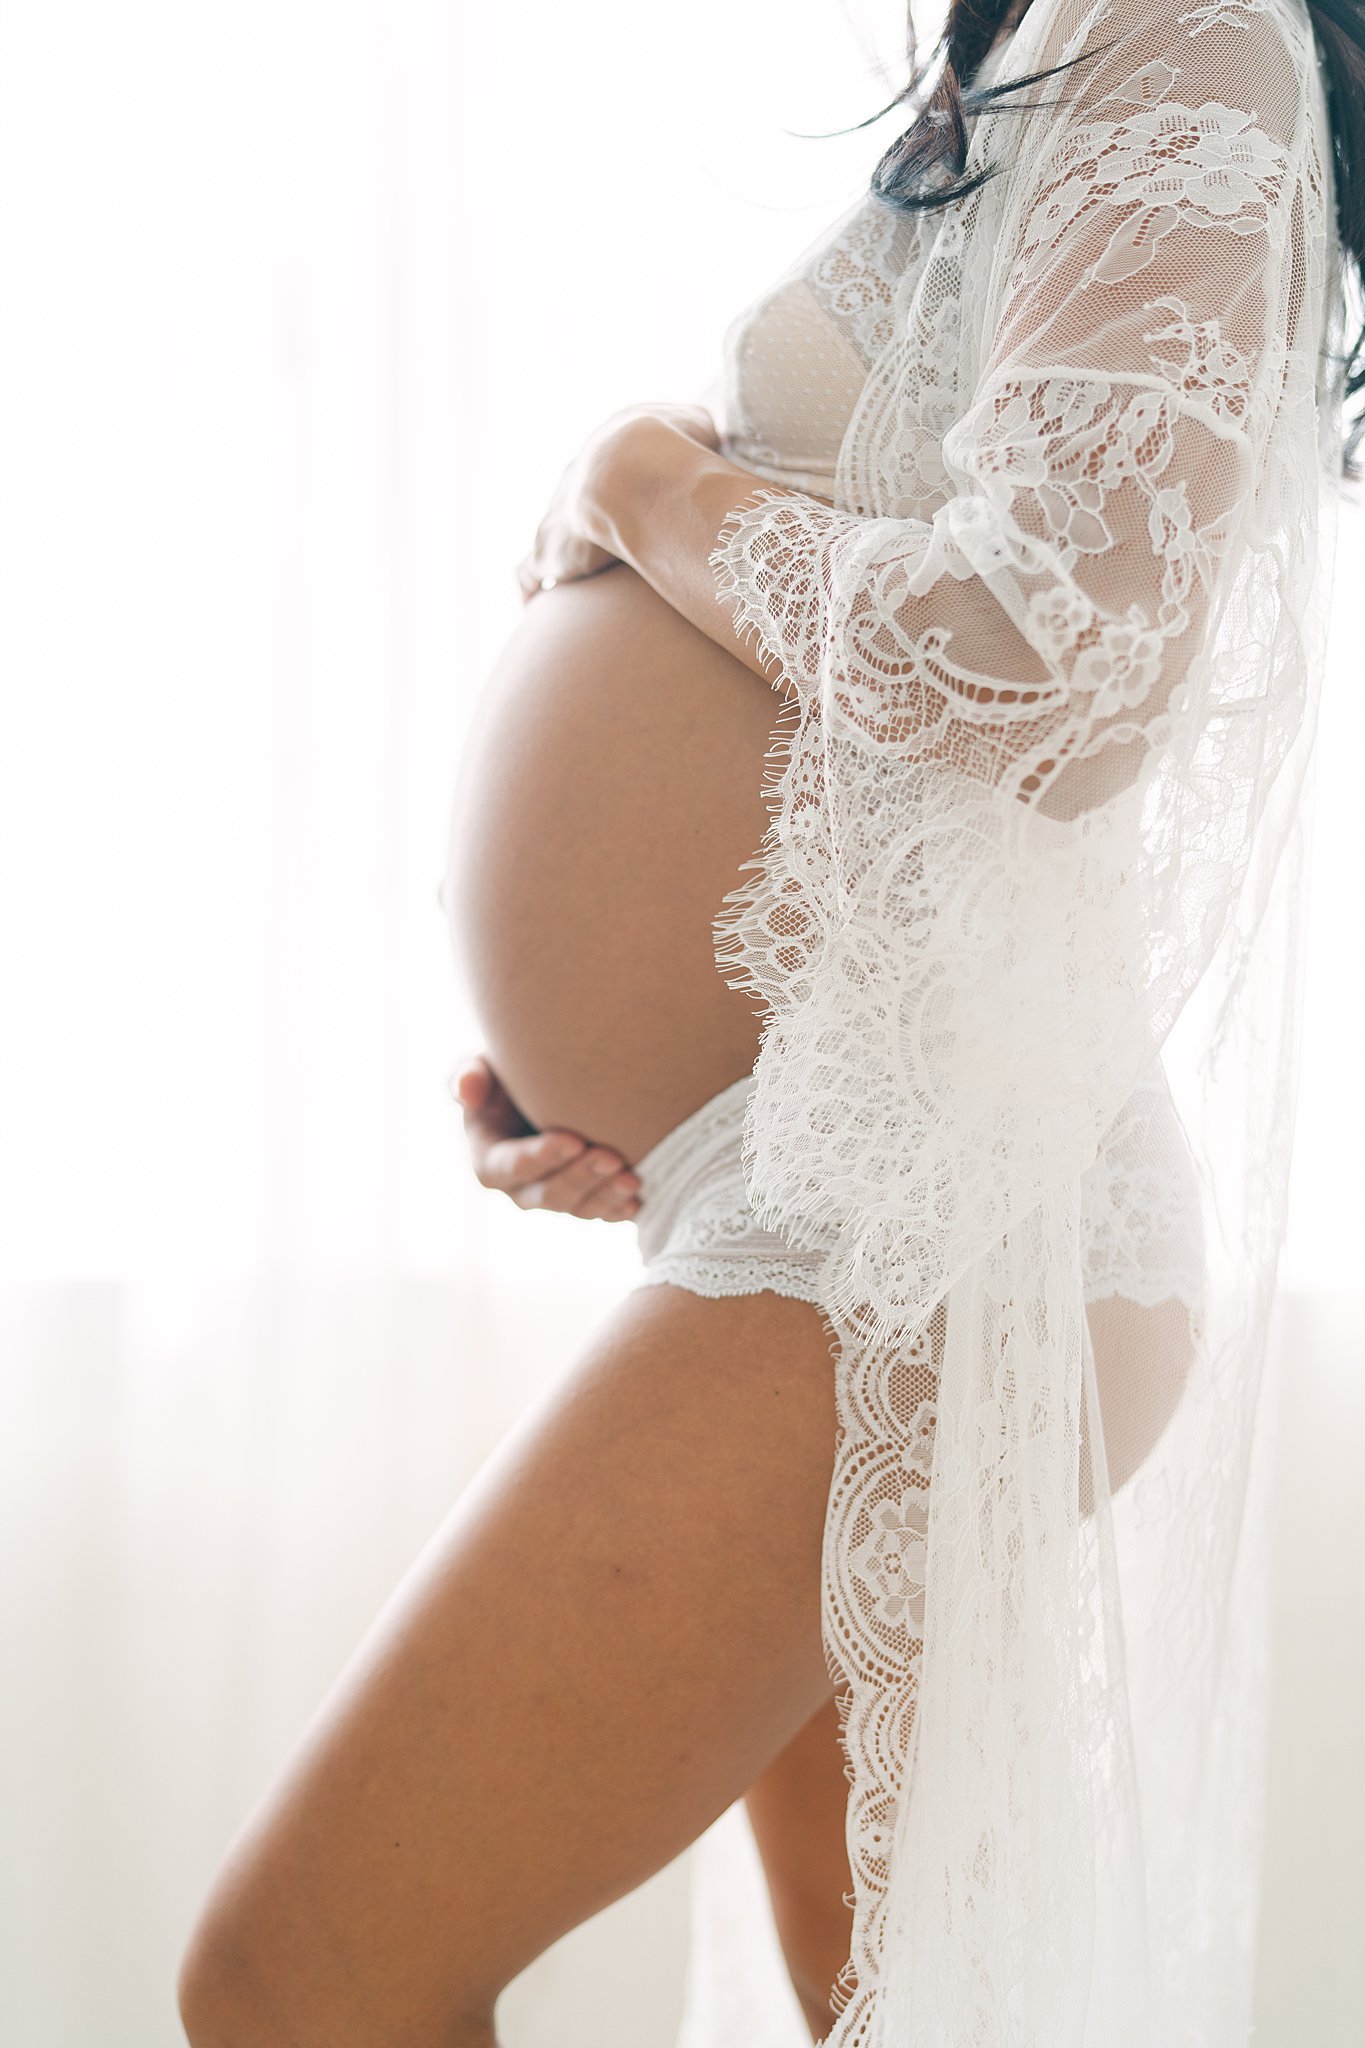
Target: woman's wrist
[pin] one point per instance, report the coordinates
(643, 464)
(662, 499)
(657, 500)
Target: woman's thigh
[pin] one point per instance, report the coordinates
(611, 1635)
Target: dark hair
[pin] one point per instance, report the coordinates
(922, 169)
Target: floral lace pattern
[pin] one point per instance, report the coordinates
(1050, 662)
(857, 271)
(853, 274)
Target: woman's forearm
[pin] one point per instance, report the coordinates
(659, 502)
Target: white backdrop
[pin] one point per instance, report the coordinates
(305, 308)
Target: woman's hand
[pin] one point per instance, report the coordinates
(539, 1169)
(571, 540)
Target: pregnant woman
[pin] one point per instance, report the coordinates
(878, 858)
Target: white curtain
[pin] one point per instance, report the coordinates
(305, 308)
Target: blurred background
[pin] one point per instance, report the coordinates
(305, 309)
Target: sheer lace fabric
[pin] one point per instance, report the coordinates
(1025, 927)
(1141, 1229)
(696, 1229)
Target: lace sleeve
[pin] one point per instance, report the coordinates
(1141, 317)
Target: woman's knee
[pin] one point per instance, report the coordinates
(240, 1985)
(816, 1954)
(227, 1987)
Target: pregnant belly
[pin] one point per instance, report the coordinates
(608, 801)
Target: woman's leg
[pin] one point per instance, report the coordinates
(798, 1809)
(611, 1637)
(799, 1817)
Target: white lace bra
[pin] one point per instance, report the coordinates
(795, 359)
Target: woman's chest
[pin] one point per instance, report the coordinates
(876, 315)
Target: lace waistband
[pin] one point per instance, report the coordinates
(695, 1228)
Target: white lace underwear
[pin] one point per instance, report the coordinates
(695, 1228)
(1140, 1223)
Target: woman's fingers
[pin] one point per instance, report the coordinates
(614, 1197)
(489, 1111)
(469, 1084)
(555, 1170)
(514, 1166)
(560, 556)
(596, 1184)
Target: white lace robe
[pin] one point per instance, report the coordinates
(1026, 927)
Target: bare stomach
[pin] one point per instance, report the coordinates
(608, 803)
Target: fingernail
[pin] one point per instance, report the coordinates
(603, 1164)
(558, 1151)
